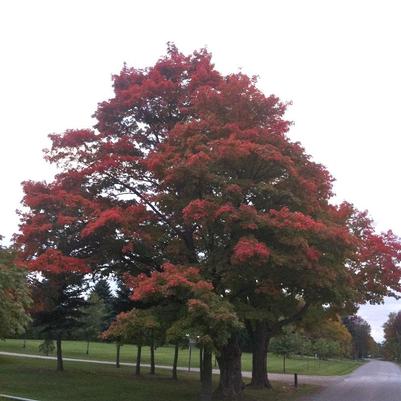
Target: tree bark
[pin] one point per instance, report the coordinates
(260, 378)
(261, 332)
(206, 375)
(261, 338)
(230, 385)
(60, 366)
(118, 345)
(189, 356)
(87, 347)
(175, 362)
(201, 363)
(138, 360)
(152, 356)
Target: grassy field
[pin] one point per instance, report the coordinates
(37, 379)
(164, 356)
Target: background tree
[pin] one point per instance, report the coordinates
(199, 313)
(14, 295)
(103, 290)
(94, 319)
(135, 327)
(392, 337)
(361, 338)
(375, 349)
(115, 332)
(48, 244)
(122, 301)
(57, 311)
(325, 348)
(290, 342)
(47, 346)
(321, 323)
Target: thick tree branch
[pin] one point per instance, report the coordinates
(294, 318)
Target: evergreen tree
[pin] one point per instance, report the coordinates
(103, 290)
(122, 301)
(104, 295)
(94, 319)
(57, 312)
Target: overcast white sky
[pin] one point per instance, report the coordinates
(338, 61)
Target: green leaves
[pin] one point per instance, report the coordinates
(14, 296)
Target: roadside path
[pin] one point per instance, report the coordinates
(288, 378)
(374, 381)
(13, 397)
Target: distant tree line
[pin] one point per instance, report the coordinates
(391, 348)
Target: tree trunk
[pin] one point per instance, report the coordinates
(230, 385)
(284, 363)
(138, 360)
(206, 369)
(261, 339)
(118, 355)
(189, 356)
(24, 344)
(152, 357)
(60, 366)
(175, 362)
(201, 363)
(87, 347)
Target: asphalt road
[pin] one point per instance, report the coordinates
(374, 381)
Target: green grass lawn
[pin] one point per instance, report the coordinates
(37, 379)
(164, 356)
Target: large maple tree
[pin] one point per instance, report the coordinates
(188, 166)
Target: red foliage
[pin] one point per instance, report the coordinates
(195, 305)
(107, 216)
(226, 209)
(312, 254)
(167, 283)
(73, 138)
(376, 268)
(198, 209)
(117, 328)
(65, 220)
(284, 218)
(53, 261)
(249, 250)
